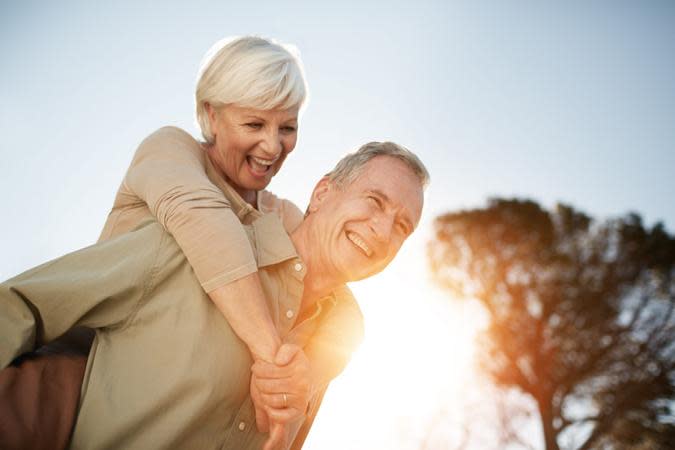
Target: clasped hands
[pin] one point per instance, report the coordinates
(280, 392)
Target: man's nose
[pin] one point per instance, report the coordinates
(381, 225)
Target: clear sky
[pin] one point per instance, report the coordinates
(569, 102)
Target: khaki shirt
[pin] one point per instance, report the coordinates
(165, 370)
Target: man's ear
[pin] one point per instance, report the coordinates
(319, 194)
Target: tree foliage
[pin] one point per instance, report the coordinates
(581, 316)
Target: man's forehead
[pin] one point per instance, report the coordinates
(395, 181)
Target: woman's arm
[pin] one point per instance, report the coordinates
(168, 175)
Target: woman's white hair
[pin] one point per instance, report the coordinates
(251, 72)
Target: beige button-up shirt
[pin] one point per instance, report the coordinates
(166, 370)
(172, 179)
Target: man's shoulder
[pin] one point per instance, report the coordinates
(290, 214)
(347, 310)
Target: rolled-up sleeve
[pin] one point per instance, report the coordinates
(168, 174)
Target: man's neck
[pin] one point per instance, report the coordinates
(317, 283)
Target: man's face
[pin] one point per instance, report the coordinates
(362, 226)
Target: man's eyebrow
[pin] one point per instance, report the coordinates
(405, 215)
(379, 193)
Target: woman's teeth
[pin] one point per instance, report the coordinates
(259, 164)
(356, 239)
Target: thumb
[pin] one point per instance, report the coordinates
(285, 354)
(275, 438)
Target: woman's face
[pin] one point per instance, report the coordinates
(250, 145)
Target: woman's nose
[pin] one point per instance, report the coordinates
(272, 145)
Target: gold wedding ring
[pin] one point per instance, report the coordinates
(285, 400)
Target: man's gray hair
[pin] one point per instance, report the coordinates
(349, 167)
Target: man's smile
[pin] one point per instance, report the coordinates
(359, 242)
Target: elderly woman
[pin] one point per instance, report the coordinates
(248, 98)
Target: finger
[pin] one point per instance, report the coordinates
(276, 437)
(261, 419)
(283, 415)
(275, 385)
(279, 401)
(286, 353)
(266, 370)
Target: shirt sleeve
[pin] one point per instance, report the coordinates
(96, 287)
(168, 174)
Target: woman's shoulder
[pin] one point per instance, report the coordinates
(172, 134)
(289, 213)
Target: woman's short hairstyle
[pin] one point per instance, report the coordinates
(349, 167)
(251, 72)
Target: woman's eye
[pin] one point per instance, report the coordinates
(254, 125)
(288, 129)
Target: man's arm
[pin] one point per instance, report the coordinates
(98, 286)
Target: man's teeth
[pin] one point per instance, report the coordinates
(359, 243)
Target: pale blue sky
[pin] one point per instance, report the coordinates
(566, 102)
(571, 103)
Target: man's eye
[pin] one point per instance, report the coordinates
(402, 228)
(288, 129)
(254, 125)
(376, 201)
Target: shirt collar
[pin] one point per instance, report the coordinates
(273, 245)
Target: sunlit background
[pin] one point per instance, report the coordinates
(556, 103)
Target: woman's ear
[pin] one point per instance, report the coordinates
(211, 113)
(319, 194)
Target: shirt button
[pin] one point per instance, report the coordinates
(242, 426)
(297, 267)
(289, 313)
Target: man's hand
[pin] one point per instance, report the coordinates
(284, 387)
(278, 438)
(280, 393)
(261, 419)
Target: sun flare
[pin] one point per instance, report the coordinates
(413, 365)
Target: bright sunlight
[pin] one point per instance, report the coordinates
(412, 369)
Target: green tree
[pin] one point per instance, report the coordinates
(580, 316)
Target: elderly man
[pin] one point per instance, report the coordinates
(166, 371)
